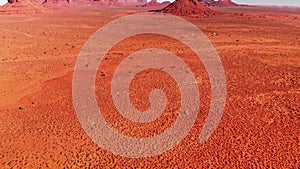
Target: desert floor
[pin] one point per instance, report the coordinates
(260, 52)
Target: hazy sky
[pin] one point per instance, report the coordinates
(270, 2)
(262, 2)
(2, 2)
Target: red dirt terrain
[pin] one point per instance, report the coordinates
(259, 49)
(188, 7)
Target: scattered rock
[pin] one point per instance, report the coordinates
(214, 34)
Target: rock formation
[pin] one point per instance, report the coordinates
(188, 7)
(218, 3)
(21, 7)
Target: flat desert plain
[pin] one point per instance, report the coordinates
(260, 53)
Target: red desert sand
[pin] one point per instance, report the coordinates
(259, 48)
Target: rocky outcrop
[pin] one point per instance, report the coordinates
(21, 7)
(188, 7)
(220, 3)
